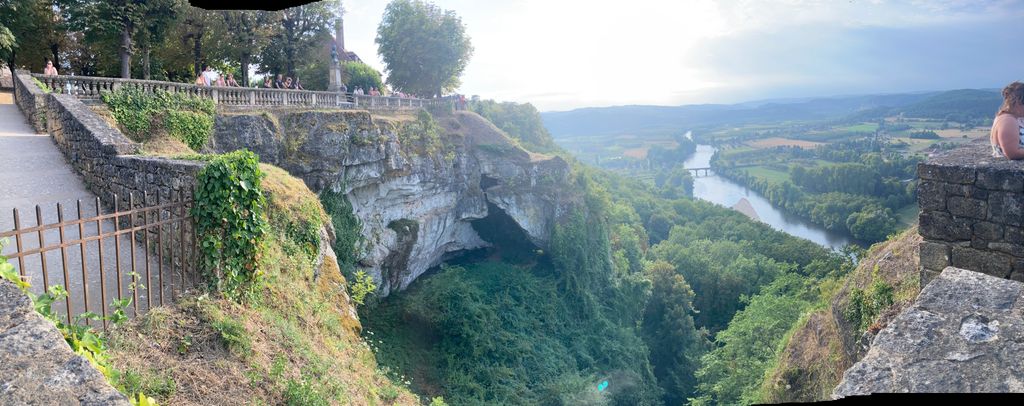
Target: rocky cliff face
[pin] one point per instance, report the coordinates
(962, 334)
(416, 184)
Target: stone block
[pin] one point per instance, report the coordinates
(956, 189)
(946, 173)
(1001, 179)
(934, 255)
(1012, 249)
(966, 207)
(942, 226)
(986, 262)
(1006, 208)
(931, 195)
(1014, 235)
(988, 231)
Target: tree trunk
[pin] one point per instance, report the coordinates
(126, 52)
(245, 68)
(197, 52)
(145, 61)
(55, 51)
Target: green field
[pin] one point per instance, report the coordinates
(863, 127)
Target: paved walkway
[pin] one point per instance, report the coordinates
(33, 172)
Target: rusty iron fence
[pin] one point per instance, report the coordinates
(123, 253)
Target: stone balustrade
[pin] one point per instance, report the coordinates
(88, 87)
(972, 213)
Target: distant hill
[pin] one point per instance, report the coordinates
(954, 105)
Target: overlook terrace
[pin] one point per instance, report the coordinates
(89, 88)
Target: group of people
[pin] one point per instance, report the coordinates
(360, 92)
(210, 77)
(282, 82)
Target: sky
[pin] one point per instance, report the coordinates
(566, 54)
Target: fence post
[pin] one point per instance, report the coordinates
(213, 93)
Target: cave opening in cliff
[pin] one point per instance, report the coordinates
(510, 242)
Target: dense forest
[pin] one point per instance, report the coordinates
(667, 299)
(852, 186)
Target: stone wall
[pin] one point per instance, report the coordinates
(972, 213)
(106, 159)
(31, 100)
(37, 367)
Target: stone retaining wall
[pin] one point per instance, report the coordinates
(31, 100)
(972, 213)
(107, 160)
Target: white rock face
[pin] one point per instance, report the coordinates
(441, 188)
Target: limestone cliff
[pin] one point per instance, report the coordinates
(416, 186)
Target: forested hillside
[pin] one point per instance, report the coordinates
(665, 299)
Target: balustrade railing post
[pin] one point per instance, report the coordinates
(252, 97)
(213, 94)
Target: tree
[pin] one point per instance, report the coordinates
(361, 75)
(424, 48)
(249, 31)
(668, 329)
(157, 18)
(296, 41)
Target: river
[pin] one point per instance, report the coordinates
(722, 191)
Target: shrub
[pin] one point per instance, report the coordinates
(230, 224)
(190, 127)
(185, 117)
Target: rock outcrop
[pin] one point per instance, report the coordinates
(416, 188)
(964, 334)
(37, 367)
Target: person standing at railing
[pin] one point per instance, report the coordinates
(288, 82)
(50, 69)
(268, 83)
(231, 80)
(200, 81)
(298, 85)
(279, 82)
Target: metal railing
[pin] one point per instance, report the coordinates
(134, 243)
(90, 87)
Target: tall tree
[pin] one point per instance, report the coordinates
(158, 17)
(303, 31)
(425, 49)
(249, 31)
(668, 329)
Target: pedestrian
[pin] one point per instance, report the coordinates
(209, 75)
(200, 81)
(268, 83)
(298, 85)
(288, 83)
(231, 80)
(50, 69)
(279, 82)
(343, 89)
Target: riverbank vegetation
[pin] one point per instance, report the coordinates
(856, 187)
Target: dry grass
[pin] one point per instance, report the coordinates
(956, 133)
(638, 153)
(295, 338)
(825, 344)
(778, 141)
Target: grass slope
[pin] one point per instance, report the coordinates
(296, 344)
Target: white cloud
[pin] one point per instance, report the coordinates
(573, 53)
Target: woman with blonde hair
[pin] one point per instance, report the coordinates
(1007, 136)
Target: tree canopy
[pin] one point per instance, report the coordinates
(424, 48)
